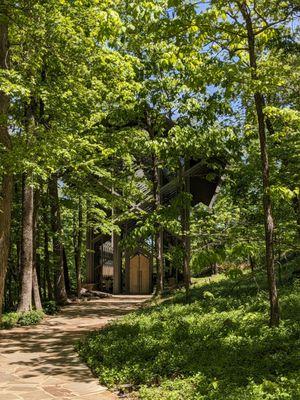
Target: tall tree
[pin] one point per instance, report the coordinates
(185, 226)
(28, 220)
(47, 265)
(159, 229)
(6, 179)
(35, 261)
(236, 37)
(78, 240)
(25, 303)
(267, 202)
(58, 249)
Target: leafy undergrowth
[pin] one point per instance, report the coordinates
(50, 307)
(217, 347)
(12, 319)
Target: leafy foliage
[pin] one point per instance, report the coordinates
(13, 319)
(30, 318)
(215, 347)
(9, 320)
(50, 307)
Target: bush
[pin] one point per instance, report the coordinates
(12, 319)
(31, 317)
(50, 307)
(9, 320)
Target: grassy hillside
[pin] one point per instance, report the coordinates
(216, 347)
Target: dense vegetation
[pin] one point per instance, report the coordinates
(12, 319)
(217, 346)
(93, 91)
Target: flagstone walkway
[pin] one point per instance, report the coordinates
(39, 362)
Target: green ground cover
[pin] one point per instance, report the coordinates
(33, 317)
(217, 346)
(12, 319)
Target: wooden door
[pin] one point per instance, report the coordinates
(139, 275)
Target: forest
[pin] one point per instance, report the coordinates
(171, 126)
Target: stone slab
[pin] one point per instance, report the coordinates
(39, 362)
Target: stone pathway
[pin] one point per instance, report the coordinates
(39, 362)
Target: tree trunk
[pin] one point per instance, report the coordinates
(66, 272)
(35, 280)
(127, 271)
(89, 249)
(214, 268)
(36, 290)
(296, 206)
(127, 264)
(47, 265)
(117, 260)
(5, 221)
(78, 247)
(159, 233)
(160, 262)
(185, 223)
(267, 203)
(27, 258)
(8, 301)
(58, 257)
(6, 185)
(252, 262)
(25, 303)
(18, 271)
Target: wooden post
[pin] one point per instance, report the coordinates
(117, 262)
(151, 267)
(101, 264)
(90, 255)
(160, 260)
(127, 271)
(127, 264)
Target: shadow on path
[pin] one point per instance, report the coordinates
(39, 362)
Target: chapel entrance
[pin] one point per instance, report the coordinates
(139, 282)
